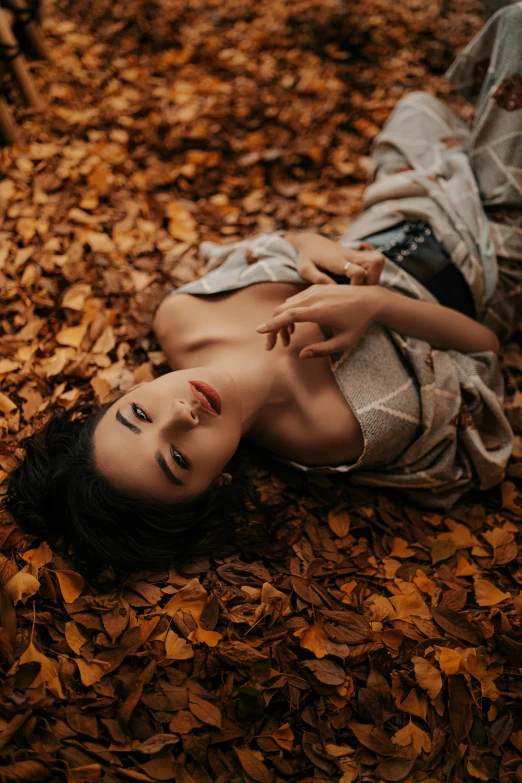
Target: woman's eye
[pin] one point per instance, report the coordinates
(139, 412)
(179, 458)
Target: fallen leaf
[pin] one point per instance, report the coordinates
(487, 594)
(21, 587)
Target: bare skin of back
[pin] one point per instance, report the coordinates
(310, 421)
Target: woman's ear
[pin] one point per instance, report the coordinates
(224, 480)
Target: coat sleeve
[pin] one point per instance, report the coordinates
(464, 441)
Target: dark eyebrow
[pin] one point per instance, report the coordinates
(160, 459)
(166, 470)
(126, 423)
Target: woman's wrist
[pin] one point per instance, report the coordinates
(293, 237)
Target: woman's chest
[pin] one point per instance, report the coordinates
(315, 425)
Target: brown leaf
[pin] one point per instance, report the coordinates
(454, 623)
(156, 743)
(328, 672)
(460, 711)
(373, 738)
(239, 653)
(398, 767)
(204, 711)
(253, 766)
(191, 598)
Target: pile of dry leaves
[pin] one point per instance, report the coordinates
(370, 641)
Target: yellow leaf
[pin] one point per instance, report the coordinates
(348, 588)
(460, 535)
(191, 598)
(410, 603)
(75, 296)
(38, 557)
(487, 594)
(6, 405)
(105, 342)
(351, 771)
(464, 567)
(99, 242)
(72, 335)
(314, 638)
(400, 548)
(176, 648)
(498, 536)
(412, 735)
(75, 637)
(21, 586)
(8, 365)
(284, 736)
(102, 388)
(48, 674)
(56, 363)
(253, 592)
(200, 635)
(450, 660)
(141, 280)
(424, 583)
(414, 703)
(427, 676)
(382, 609)
(270, 593)
(71, 585)
(25, 352)
(181, 224)
(391, 566)
(91, 672)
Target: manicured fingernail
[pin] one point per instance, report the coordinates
(261, 328)
(307, 354)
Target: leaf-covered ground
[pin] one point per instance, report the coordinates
(354, 638)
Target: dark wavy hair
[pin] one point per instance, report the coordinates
(58, 494)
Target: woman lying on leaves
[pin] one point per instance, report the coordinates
(393, 379)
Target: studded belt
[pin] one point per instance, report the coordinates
(413, 247)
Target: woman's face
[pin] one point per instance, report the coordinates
(169, 439)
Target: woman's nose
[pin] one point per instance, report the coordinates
(184, 413)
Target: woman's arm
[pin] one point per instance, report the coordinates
(440, 326)
(351, 310)
(318, 255)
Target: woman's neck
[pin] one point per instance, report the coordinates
(259, 376)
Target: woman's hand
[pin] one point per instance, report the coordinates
(317, 253)
(350, 311)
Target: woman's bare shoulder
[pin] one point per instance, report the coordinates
(171, 311)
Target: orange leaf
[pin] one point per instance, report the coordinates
(71, 585)
(487, 594)
(284, 736)
(314, 638)
(38, 557)
(200, 635)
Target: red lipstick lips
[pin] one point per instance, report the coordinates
(208, 397)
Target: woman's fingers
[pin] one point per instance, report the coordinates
(355, 273)
(309, 271)
(285, 333)
(370, 261)
(339, 343)
(284, 319)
